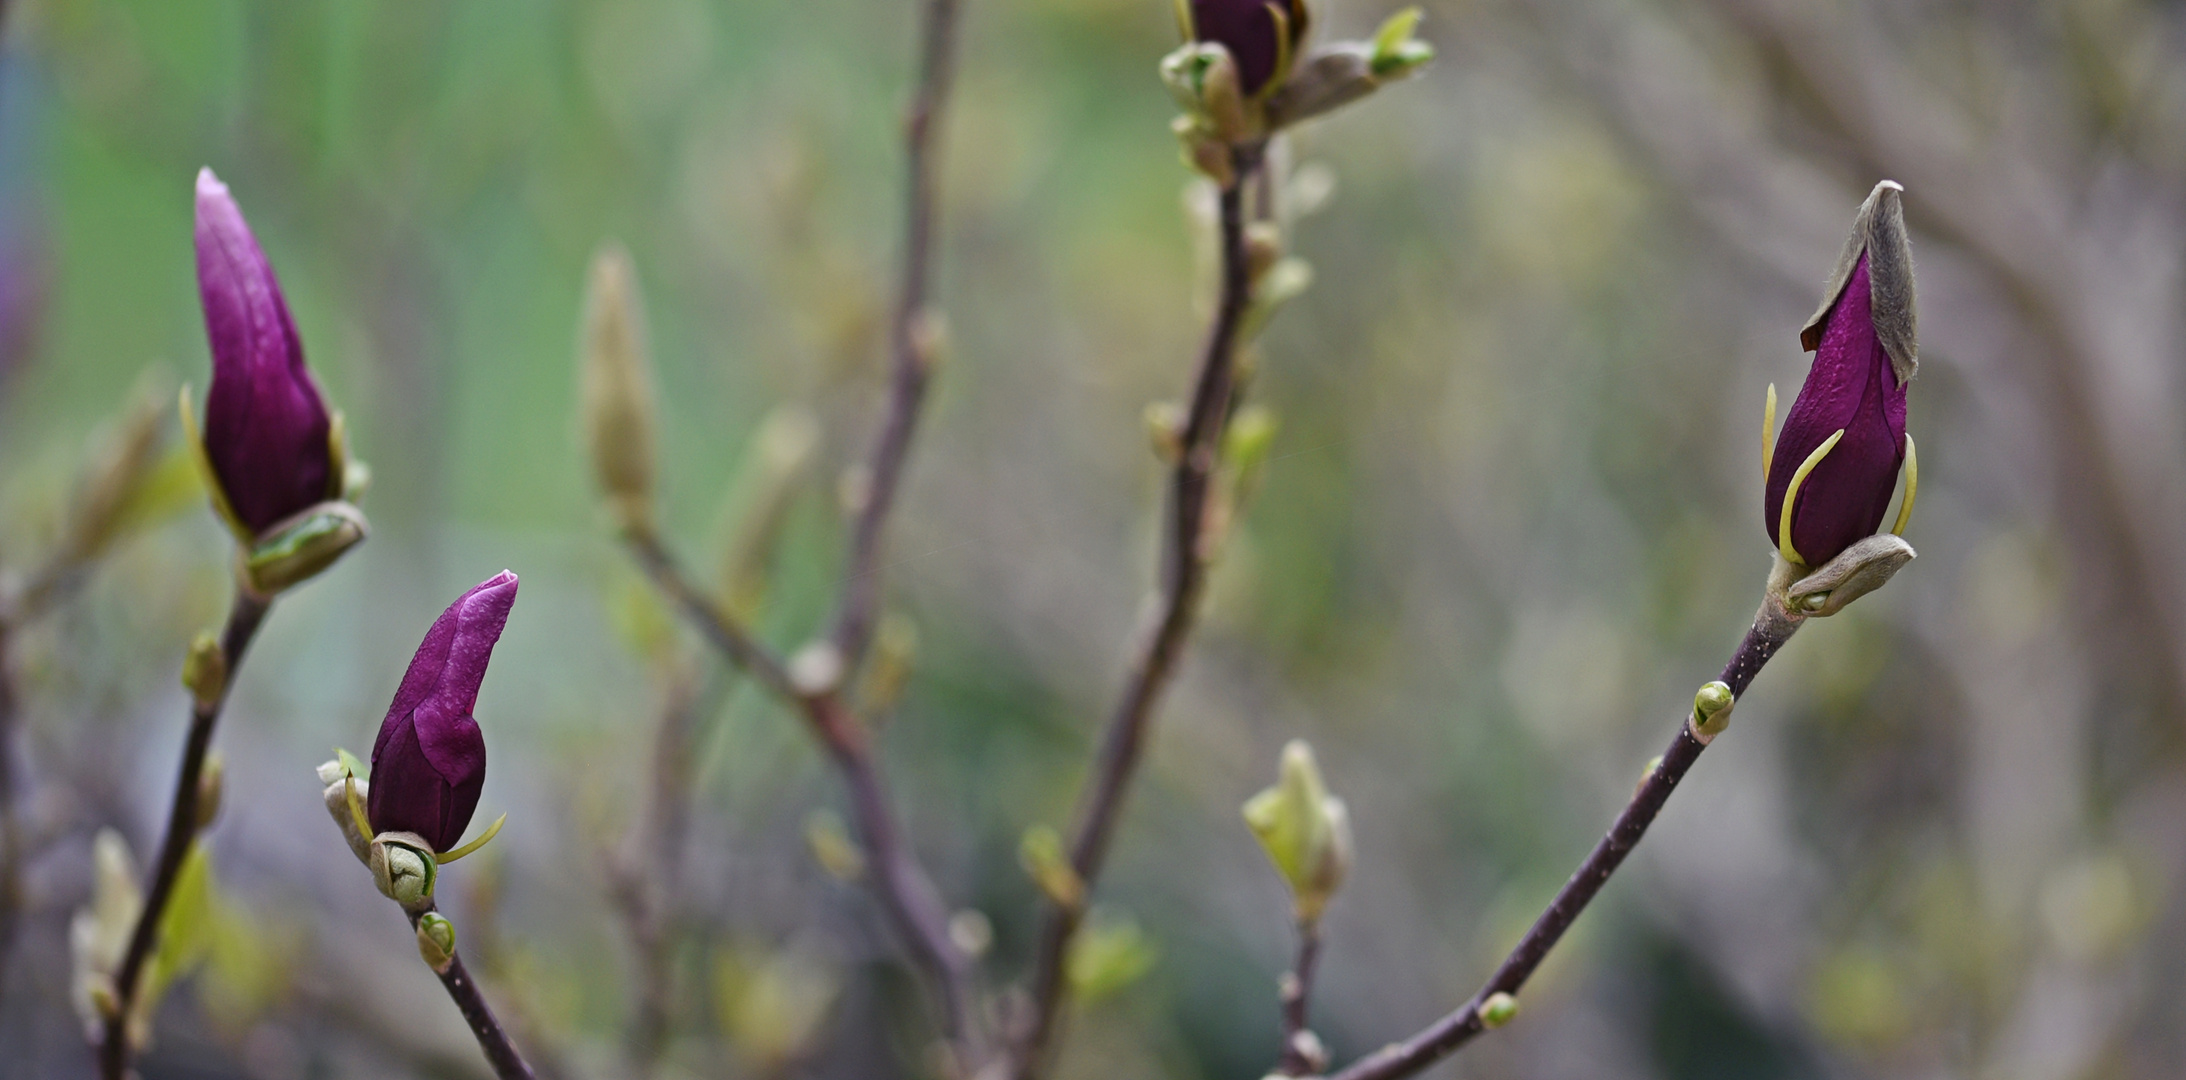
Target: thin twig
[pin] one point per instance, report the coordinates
(906, 894)
(11, 840)
(644, 887)
(912, 336)
(500, 1052)
(244, 617)
(1771, 628)
(1183, 579)
(1300, 1052)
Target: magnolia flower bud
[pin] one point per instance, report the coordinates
(617, 393)
(1305, 831)
(268, 438)
(436, 941)
(429, 762)
(1832, 469)
(1263, 36)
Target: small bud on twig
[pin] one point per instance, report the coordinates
(205, 671)
(617, 389)
(832, 847)
(1498, 1010)
(1041, 854)
(211, 786)
(1305, 831)
(1711, 711)
(436, 941)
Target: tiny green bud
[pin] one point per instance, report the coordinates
(404, 868)
(1305, 832)
(1712, 710)
(1041, 854)
(205, 671)
(436, 941)
(1245, 445)
(832, 847)
(210, 784)
(1498, 1010)
(294, 551)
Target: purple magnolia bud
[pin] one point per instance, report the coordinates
(266, 428)
(1842, 445)
(429, 762)
(1263, 36)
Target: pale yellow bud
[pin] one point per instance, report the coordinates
(617, 389)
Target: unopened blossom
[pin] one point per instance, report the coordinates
(1865, 358)
(266, 427)
(1262, 36)
(429, 763)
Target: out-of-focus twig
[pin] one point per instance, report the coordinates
(645, 881)
(463, 990)
(244, 617)
(913, 336)
(906, 894)
(11, 840)
(1183, 579)
(1771, 628)
(1297, 994)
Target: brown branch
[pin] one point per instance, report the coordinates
(1183, 580)
(1771, 628)
(912, 337)
(500, 1052)
(244, 617)
(11, 840)
(906, 894)
(1301, 1053)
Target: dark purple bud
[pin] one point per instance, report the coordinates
(266, 428)
(1864, 360)
(1263, 36)
(429, 762)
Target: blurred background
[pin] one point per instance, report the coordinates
(1510, 523)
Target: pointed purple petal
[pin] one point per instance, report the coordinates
(1851, 387)
(266, 427)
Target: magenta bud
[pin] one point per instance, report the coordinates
(266, 428)
(429, 762)
(1864, 360)
(1263, 36)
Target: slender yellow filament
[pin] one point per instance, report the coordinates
(1282, 48)
(491, 831)
(1184, 20)
(356, 809)
(1768, 436)
(1791, 497)
(1912, 487)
